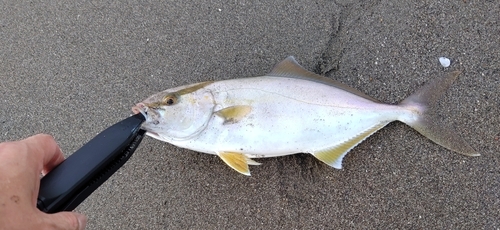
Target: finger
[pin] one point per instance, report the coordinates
(45, 150)
(66, 221)
(42, 154)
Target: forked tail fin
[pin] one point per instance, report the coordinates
(425, 121)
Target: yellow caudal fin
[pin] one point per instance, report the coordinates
(427, 123)
(238, 161)
(333, 155)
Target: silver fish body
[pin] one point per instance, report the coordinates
(288, 111)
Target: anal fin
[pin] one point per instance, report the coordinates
(333, 155)
(237, 161)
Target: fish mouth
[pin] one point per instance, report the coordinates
(148, 113)
(140, 108)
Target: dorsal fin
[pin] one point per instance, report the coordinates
(291, 69)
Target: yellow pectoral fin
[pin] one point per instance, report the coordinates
(237, 161)
(234, 114)
(333, 155)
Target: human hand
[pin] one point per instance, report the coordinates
(21, 163)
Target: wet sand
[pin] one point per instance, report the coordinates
(71, 69)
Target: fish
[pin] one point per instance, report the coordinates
(290, 110)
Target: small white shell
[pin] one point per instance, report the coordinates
(445, 62)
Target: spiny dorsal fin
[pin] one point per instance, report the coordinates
(291, 69)
(333, 155)
(234, 114)
(238, 161)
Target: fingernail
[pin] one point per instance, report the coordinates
(82, 221)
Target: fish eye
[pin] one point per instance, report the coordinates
(170, 99)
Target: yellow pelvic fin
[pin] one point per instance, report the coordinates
(238, 161)
(333, 155)
(234, 114)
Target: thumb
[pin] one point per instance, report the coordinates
(66, 221)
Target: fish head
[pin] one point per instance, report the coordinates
(177, 114)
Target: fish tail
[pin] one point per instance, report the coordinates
(425, 121)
